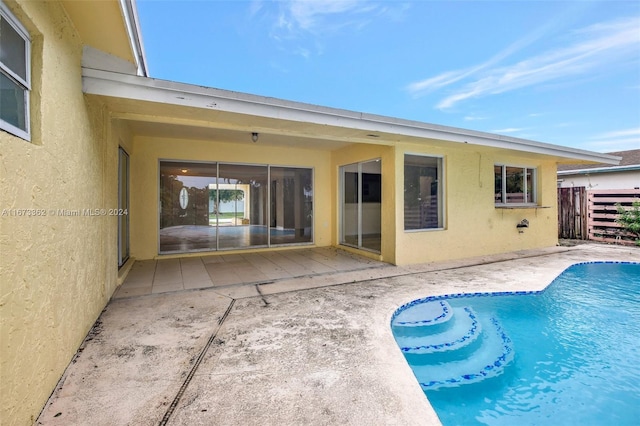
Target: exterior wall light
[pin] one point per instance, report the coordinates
(254, 136)
(524, 223)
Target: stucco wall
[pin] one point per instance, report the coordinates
(473, 225)
(58, 271)
(148, 151)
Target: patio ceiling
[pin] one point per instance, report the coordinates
(169, 121)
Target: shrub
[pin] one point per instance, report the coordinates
(630, 219)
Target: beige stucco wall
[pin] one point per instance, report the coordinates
(57, 271)
(473, 225)
(148, 151)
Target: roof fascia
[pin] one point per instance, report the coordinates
(104, 83)
(630, 168)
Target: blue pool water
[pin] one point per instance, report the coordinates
(569, 355)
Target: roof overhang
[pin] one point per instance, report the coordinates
(111, 27)
(227, 110)
(594, 170)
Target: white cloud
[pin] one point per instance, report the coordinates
(309, 22)
(315, 16)
(509, 130)
(618, 133)
(593, 47)
(616, 140)
(614, 145)
(307, 14)
(473, 117)
(421, 87)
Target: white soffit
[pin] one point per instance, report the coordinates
(110, 84)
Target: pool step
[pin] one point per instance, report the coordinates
(423, 314)
(489, 360)
(464, 328)
(448, 346)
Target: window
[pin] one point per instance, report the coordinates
(514, 185)
(15, 75)
(423, 205)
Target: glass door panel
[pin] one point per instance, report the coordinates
(350, 210)
(216, 206)
(185, 209)
(291, 212)
(371, 184)
(123, 206)
(361, 205)
(242, 206)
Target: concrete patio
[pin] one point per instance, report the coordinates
(312, 348)
(240, 275)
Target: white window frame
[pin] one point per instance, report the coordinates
(534, 185)
(24, 83)
(441, 192)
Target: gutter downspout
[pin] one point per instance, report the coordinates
(130, 14)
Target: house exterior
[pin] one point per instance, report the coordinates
(101, 165)
(625, 175)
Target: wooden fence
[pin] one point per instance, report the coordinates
(603, 212)
(572, 213)
(591, 215)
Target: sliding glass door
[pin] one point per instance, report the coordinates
(360, 210)
(220, 206)
(246, 226)
(291, 209)
(185, 207)
(123, 207)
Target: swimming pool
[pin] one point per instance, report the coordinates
(567, 355)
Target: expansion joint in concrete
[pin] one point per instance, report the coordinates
(195, 366)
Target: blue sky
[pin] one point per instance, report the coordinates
(562, 72)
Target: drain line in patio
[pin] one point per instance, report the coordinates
(196, 364)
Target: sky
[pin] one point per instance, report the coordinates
(560, 72)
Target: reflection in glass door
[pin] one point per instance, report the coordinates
(291, 205)
(185, 214)
(360, 210)
(350, 205)
(218, 206)
(244, 225)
